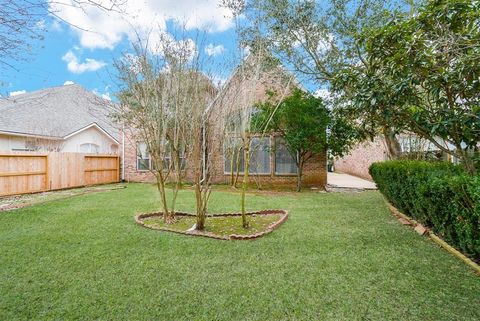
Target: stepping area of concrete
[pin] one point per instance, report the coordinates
(340, 180)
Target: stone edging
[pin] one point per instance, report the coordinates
(284, 216)
(420, 229)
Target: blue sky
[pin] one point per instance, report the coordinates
(86, 57)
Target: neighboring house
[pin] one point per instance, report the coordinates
(271, 163)
(358, 161)
(361, 157)
(67, 118)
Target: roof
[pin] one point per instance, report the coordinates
(55, 112)
(248, 68)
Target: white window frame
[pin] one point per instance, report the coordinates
(90, 148)
(137, 158)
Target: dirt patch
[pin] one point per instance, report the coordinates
(8, 203)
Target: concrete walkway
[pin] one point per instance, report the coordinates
(338, 180)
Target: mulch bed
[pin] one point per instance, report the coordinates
(283, 217)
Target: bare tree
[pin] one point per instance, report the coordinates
(22, 23)
(163, 102)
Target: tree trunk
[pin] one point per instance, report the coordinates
(467, 161)
(299, 175)
(201, 208)
(163, 198)
(178, 181)
(237, 168)
(246, 157)
(232, 173)
(393, 146)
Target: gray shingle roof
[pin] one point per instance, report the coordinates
(56, 112)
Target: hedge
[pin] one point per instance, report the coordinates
(437, 194)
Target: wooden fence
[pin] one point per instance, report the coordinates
(32, 172)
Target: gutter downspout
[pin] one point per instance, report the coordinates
(123, 152)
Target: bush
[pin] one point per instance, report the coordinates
(437, 194)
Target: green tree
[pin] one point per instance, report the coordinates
(322, 42)
(302, 121)
(430, 63)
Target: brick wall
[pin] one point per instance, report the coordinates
(242, 91)
(361, 157)
(314, 173)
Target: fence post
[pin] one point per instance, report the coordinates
(47, 173)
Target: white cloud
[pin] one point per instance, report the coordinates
(323, 93)
(246, 51)
(16, 93)
(80, 67)
(97, 28)
(68, 82)
(106, 96)
(166, 44)
(213, 50)
(219, 80)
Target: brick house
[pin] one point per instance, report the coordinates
(364, 154)
(361, 157)
(272, 165)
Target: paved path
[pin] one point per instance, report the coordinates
(338, 180)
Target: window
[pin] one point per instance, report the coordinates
(143, 157)
(233, 154)
(144, 162)
(168, 164)
(284, 161)
(89, 148)
(259, 156)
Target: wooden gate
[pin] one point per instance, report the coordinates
(29, 173)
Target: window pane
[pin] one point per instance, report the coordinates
(260, 155)
(89, 148)
(233, 153)
(284, 161)
(143, 157)
(85, 148)
(143, 164)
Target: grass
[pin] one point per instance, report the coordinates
(16, 201)
(219, 225)
(338, 257)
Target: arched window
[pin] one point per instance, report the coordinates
(89, 148)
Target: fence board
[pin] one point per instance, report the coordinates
(34, 172)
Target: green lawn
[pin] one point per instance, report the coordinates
(338, 257)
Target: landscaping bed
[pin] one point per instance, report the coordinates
(225, 226)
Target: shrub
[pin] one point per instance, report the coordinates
(437, 194)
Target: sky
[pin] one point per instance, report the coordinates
(84, 50)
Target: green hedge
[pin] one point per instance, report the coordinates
(437, 194)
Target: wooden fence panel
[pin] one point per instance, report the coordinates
(101, 169)
(29, 173)
(20, 173)
(66, 170)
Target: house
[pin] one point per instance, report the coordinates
(67, 118)
(364, 154)
(271, 163)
